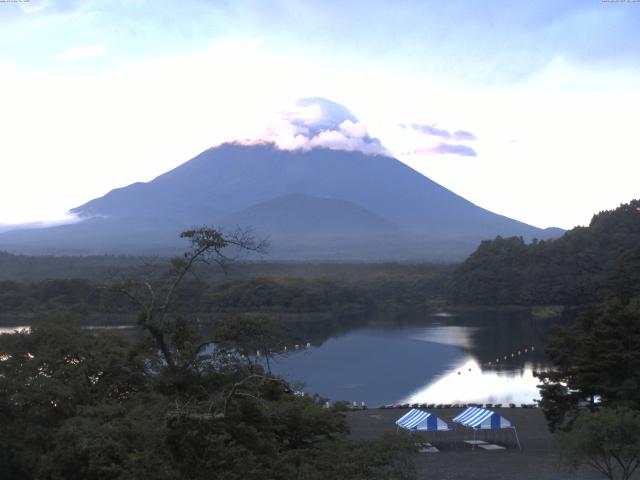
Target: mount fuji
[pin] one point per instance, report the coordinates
(318, 186)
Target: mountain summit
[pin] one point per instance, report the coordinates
(317, 122)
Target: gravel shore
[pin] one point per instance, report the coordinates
(458, 460)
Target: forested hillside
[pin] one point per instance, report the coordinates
(575, 269)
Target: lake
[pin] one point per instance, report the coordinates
(472, 357)
(420, 357)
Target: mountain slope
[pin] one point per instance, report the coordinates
(299, 214)
(232, 182)
(232, 177)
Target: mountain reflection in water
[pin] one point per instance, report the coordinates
(433, 360)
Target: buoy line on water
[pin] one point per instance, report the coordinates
(514, 354)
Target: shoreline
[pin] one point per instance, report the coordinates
(457, 460)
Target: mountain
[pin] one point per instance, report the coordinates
(578, 268)
(314, 202)
(305, 215)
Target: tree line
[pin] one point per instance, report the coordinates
(578, 268)
(267, 294)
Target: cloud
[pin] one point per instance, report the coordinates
(461, 135)
(448, 149)
(445, 146)
(319, 123)
(82, 53)
(432, 130)
(65, 219)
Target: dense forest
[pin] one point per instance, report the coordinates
(104, 268)
(391, 286)
(575, 269)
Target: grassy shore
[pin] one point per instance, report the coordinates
(457, 460)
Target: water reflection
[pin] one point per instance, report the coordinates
(441, 359)
(446, 335)
(467, 382)
(372, 365)
(14, 329)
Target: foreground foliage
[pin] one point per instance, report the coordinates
(591, 396)
(607, 440)
(82, 404)
(75, 404)
(596, 362)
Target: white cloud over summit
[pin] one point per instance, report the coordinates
(319, 123)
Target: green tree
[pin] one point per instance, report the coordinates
(78, 404)
(607, 440)
(597, 358)
(250, 337)
(155, 298)
(50, 375)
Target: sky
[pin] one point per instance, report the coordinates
(528, 109)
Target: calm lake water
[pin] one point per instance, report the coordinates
(486, 357)
(471, 357)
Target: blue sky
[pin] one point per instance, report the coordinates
(100, 94)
